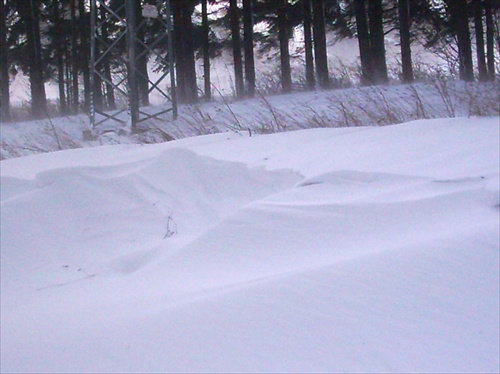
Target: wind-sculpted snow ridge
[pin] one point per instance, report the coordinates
(319, 224)
(327, 250)
(120, 217)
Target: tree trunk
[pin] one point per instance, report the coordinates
(490, 40)
(110, 91)
(480, 50)
(235, 38)
(178, 50)
(192, 87)
(30, 15)
(320, 53)
(85, 53)
(206, 50)
(187, 89)
(404, 33)
(310, 79)
(377, 42)
(364, 42)
(460, 23)
(59, 54)
(75, 63)
(4, 67)
(142, 57)
(286, 74)
(248, 46)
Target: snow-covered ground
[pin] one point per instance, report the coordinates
(361, 249)
(352, 107)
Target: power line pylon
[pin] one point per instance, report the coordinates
(118, 44)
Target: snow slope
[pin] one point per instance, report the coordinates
(371, 249)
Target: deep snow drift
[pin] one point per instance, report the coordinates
(372, 249)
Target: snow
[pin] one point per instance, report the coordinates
(352, 107)
(367, 249)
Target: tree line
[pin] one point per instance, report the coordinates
(49, 40)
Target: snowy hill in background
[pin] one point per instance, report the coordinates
(367, 249)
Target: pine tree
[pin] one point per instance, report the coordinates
(187, 90)
(142, 56)
(58, 33)
(404, 32)
(84, 29)
(206, 50)
(286, 74)
(308, 45)
(29, 13)
(458, 11)
(364, 42)
(75, 63)
(236, 42)
(480, 50)
(248, 46)
(377, 42)
(320, 52)
(490, 40)
(4, 66)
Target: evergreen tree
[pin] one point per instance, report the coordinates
(364, 42)
(490, 39)
(377, 42)
(4, 68)
(458, 12)
(248, 46)
(75, 64)
(404, 33)
(206, 50)
(142, 56)
(236, 43)
(480, 50)
(187, 90)
(286, 74)
(320, 52)
(29, 13)
(308, 45)
(58, 33)
(84, 52)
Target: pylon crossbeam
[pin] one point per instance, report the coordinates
(146, 116)
(108, 116)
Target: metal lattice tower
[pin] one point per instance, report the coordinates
(118, 45)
